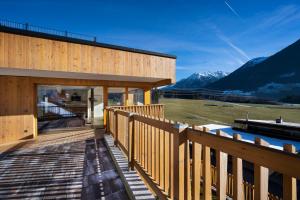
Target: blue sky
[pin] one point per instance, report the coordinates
(206, 35)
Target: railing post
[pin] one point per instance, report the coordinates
(179, 188)
(237, 168)
(207, 170)
(261, 176)
(289, 183)
(131, 139)
(116, 127)
(187, 166)
(196, 168)
(221, 171)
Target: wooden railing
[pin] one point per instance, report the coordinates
(159, 150)
(154, 110)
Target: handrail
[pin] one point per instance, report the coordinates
(268, 157)
(39, 29)
(159, 150)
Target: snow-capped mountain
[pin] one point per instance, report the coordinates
(198, 80)
(254, 62)
(277, 76)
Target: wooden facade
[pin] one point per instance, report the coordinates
(25, 52)
(29, 59)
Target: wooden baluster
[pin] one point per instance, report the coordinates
(207, 170)
(237, 169)
(196, 168)
(161, 155)
(289, 183)
(167, 154)
(146, 147)
(164, 138)
(137, 140)
(149, 141)
(222, 159)
(174, 179)
(154, 156)
(157, 155)
(261, 176)
(123, 130)
(143, 144)
(153, 149)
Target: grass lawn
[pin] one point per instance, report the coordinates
(201, 112)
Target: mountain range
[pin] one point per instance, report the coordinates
(198, 80)
(280, 68)
(276, 76)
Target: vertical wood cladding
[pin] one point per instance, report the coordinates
(16, 109)
(17, 51)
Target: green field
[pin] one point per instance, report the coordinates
(200, 112)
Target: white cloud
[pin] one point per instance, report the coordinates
(225, 39)
(232, 9)
(281, 16)
(184, 68)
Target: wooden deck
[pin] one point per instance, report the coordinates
(68, 165)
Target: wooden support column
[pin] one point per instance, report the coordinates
(221, 171)
(126, 101)
(105, 104)
(237, 168)
(261, 176)
(289, 183)
(147, 96)
(35, 112)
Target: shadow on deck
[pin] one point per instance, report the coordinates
(68, 165)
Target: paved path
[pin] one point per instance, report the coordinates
(60, 166)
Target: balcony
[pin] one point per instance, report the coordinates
(174, 160)
(178, 161)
